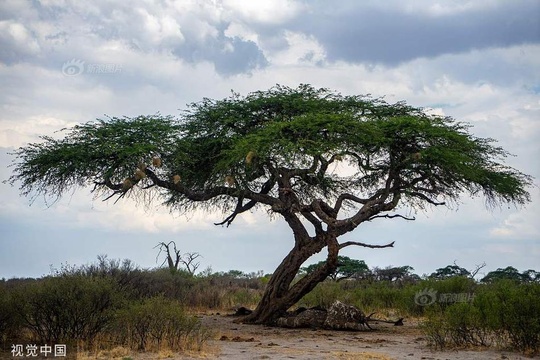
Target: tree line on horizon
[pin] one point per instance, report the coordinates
(347, 269)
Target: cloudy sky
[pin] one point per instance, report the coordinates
(67, 62)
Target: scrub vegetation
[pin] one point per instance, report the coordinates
(113, 304)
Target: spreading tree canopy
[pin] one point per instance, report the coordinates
(347, 268)
(279, 150)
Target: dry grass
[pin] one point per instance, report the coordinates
(359, 356)
(118, 352)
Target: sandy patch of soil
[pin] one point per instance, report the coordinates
(242, 342)
(238, 341)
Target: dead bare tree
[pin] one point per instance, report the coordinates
(173, 264)
(477, 269)
(174, 258)
(188, 260)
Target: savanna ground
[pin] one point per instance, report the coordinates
(239, 341)
(385, 342)
(114, 310)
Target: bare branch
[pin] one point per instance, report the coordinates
(325, 212)
(313, 220)
(477, 269)
(240, 207)
(173, 264)
(391, 217)
(429, 200)
(188, 260)
(113, 194)
(343, 197)
(355, 243)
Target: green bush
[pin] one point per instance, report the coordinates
(512, 311)
(151, 323)
(435, 329)
(67, 308)
(324, 294)
(504, 313)
(10, 324)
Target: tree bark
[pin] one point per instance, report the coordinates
(279, 294)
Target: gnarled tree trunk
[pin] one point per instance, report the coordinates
(279, 294)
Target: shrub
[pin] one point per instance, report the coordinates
(67, 308)
(435, 329)
(150, 323)
(324, 294)
(10, 324)
(505, 313)
(512, 311)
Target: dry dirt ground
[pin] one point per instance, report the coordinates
(238, 341)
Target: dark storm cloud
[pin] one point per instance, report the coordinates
(229, 55)
(363, 32)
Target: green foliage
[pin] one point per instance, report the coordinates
(455, 285)
(514, 309)
(117, 304)
(67, 308)
(104, 150)
(504, 313)
(347, 268)
(511, 273)
(9, 320)
(247, 139)
(394, 273)
(155, 322)
(449, 271)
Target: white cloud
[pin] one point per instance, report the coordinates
(15, 36)
(168, 53)
(445, 8)
(263, 11)
(301, 49)
(521, 224)
(237, 29)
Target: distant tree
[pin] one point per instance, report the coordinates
(449, 271)
(172, 255)
(455, 270)
(278, 150)
(511, 273)
(531, 275)
(174, 258)
(347, 268)
(394, 273)
(235, 274)
(189, 260)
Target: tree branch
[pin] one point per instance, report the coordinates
(426, 198)
(313, 219)
(240, 207)
(349, 243)
(351, 197)
(325, 212)
(391, 217)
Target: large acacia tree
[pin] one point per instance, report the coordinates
(279, 150)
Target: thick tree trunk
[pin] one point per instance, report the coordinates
(279, 295)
